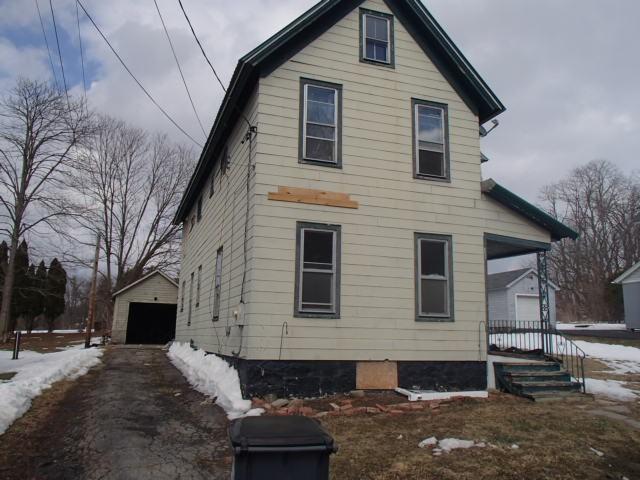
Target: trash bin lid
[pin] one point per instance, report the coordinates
(278, 432)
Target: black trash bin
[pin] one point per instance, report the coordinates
(282, 448)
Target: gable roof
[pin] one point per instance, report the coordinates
(557, 229)
(627, 274)
(501, 280)
(272, 53)
(146, 277)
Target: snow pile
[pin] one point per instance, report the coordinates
(35, 373)
(613, 389)
(212, 376)
(591, 326)
(447, 444)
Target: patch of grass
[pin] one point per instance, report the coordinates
(610, 341)
(46, 342)
(554, 441)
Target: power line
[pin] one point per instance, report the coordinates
(200, 45)
(55, 29)
(84, 81)
(211, 65)
(180, 69)
(46, 42)
(134, 77)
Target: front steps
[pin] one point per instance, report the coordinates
(540, 381)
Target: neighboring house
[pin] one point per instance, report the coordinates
(514, 295)
(630, 281)
(336, 228)
(145, 311)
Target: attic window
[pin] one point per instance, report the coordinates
(376, 30)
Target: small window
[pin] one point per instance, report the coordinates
(376, 44)
(431, 140)
(212, 183)
(224, 160)
(217, 286)
(190, 300)
(320, 123)
(184, 287)
(198, 286)
(434, 287)
(192, 223)
(199, 209)
(317, 274)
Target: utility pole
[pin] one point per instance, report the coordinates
(92, 295)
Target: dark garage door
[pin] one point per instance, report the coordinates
(151, 323)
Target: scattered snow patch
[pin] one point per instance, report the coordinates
(428, 442)
(447, 444)
(597, 452)
(613, 389)
(36, 372)
(212, 376)
(620, 358)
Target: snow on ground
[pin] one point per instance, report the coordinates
(447, 444)
(35, 373)
(612, 389)
(591, 326)
(212, 376)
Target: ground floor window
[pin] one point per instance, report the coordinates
(318, 270)
(217, 285)
(434, 278)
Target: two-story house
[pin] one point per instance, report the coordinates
(337, 228)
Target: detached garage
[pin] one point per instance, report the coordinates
(145, 311)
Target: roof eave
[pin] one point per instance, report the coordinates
(557, 229)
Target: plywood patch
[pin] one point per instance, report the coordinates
(313, 197)
(376, 375)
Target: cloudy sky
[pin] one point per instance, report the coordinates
(566, 70)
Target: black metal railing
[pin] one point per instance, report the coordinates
(534, 338)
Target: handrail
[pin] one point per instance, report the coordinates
(532, 338)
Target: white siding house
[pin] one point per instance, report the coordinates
(630, 281)
(351, 226)
(514, 295)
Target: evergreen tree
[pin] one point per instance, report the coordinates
(37, 284)
(55, 289)
(20, 297)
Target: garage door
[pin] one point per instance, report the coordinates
(151, 323)
(527, 308)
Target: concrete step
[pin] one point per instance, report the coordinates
(528, 367)
(540, 376)
(535, 387)
(558, 396)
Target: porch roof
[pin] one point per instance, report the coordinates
(557, 229)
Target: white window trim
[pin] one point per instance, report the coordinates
(333, 271)
(334, 126)
(445, 278)
(364, 38)
(445, 173)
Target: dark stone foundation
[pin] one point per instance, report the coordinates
(312, 378)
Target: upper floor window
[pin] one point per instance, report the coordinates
(376, 30)
(321, 123)
(224, 160)
(434, 285)
(212, 182)
(430, 133)
(199, 209)
(318, 270)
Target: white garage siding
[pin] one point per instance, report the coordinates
(153, 289)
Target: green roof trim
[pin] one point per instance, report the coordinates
(276, 50)
(557, 229)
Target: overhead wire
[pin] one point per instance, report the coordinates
(46, 42)
(184, 12)
(184, 82)
(146, 92)
(84, 81)
(55, 29)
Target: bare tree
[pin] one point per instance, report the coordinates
(603, 205)
(131, 184)
(39, 130)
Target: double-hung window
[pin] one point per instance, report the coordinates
(184, 287)
(376, 44)
(318, 270)
(434, 282)
(217, 285)
(198, 286)
(190, 299)
(320, 123)
(430, 140)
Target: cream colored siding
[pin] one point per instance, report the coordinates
(377, 318)
(155, 289)
(222, 224)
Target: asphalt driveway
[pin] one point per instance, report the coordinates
(134, 417)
